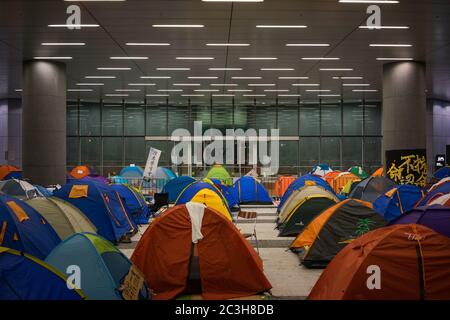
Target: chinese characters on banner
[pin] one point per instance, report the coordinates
(133, 284)
(152, 163)
(407, 166)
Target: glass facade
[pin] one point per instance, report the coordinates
(109, 136)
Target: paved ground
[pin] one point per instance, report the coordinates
(289, 279)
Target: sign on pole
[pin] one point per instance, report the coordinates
(152, 163)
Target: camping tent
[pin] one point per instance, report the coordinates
(135, 202)
(65, 218)
(282, 184)
(43, 192)
(397, 201)
(321, 170)
(103, 266)
(371, 188)
(164, 174)
(442, 173)
(436, 217)
(24, 229)
(437, 190)
(80, 172)
(228, 192)
(191, 249)
(250, 191)
(443, 200)
(306, 180)
(412, 262)
(338, 180)
(206, 193)
(379, 172)
(10, 172)
(333, 229)
(19, 189)
(132, 172)
(359, 172)
(219, 172)
(175, 186)
(301, 207)
(96, 178)
(102, 205)
(24, 277)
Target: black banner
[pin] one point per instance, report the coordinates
(407, 166)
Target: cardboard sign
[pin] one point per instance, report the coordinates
(407, 166)
(133, 284)
(152, 163)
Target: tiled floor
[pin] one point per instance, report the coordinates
(289, 279)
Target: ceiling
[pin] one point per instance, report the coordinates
(24, 27)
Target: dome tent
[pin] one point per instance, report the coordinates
(321, 170)
(10, 172)
(175, 186)
(219, 172)
(81, 172)
(228, 192)
(359, 172)
(19, 188)
(437, 190)
(371, 188)
(250, 191)
(132, 172)
(135, 202)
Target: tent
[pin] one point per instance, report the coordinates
(175, 186)
(80, 172)
(435, 217)
(19, 189)
(132, 172)
(321, 170)
(359, 172)
(102, 205)
(250, 191)
(397, 201)
(164, 174)
(118, 180)
(333, 229)
(24, 229)
(10, 172)
(338, 180)
(44, 192)
(24, 277)
(134, 201)
(306, 180)
(443, 200)
(282, 184)
(442, 173)
(96, 178)
(412, 262)
(103, 266)
(206, 193)
(371, 188)
(437, 190)
(219, 172)
(379, 172)
(228, 192)
(65, 218)
(191, 249)
(302, 206)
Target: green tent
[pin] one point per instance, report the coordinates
(359, 172)
(219, 172)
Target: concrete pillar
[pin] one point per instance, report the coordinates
(404, 106)
(44, 122)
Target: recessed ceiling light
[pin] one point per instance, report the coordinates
(331, 59)
(307, 45)
(147, 44)
(233, 0)
(223, 95)
(178, 26)
(129, 58)
(319, 90)
(348, 78)
(192, 95)
(289, 95)
(282, 26)
(128, 90)
(277, 69)
(225, 69)
(356, 85)
(80, 90)
(293, 78)
(142, 84)
(276, 90)
(246, 78)
(239, 90)
(261, 84)
(223, 85)
(395, 59)
(156, 95)
(305, 84)
(100, 77)
(258, 58)
(365, 90)
(336, 69)
(194, 58)
(74, 26)
(90, 84)
(207, 90)
(329, 95)
(173, 69)
(155, 77)
(170, 90)
(18, 90)
(204, 78)
(113, 69)
(253, 95)
(391, 45)
(228, 44)
(383, 27)
(370, 1)
(63, 44)
(187, 84)
(116, 95)
(53, 58)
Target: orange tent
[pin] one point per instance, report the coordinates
(227, 264)
(338, 180)
(282, 184)
(8, 171)
(400, 262)
(379, 172)
(80, 172)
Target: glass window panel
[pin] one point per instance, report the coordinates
(331, 120)
(157, 120)
(244, 117)
(372, 123)
(309, 153)
(288, 154)
(135, 151)
(330, 152)
(72, 118)
(89, 119)
(353, 119)
(178, 118)
(201, 113)
(309, 120)
(112, 120)
(134, 120)
(112, 156)
(265, 117)
(351, 152)
(73, 149)
(222, 117)
(372, 153)
(164, 160)
(288, 120)
(90, 151)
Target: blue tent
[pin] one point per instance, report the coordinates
(442, 173)
(22, 228)
(43, 191)
(132, 172)
(228, 192)
(175, 186)
(102, 205)
(300, 183)
(250, 191)
(24, 277)
(397, 201)
(119, 180)
(138, 209)
(439, 189)
(321, 170)
(103, 267)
